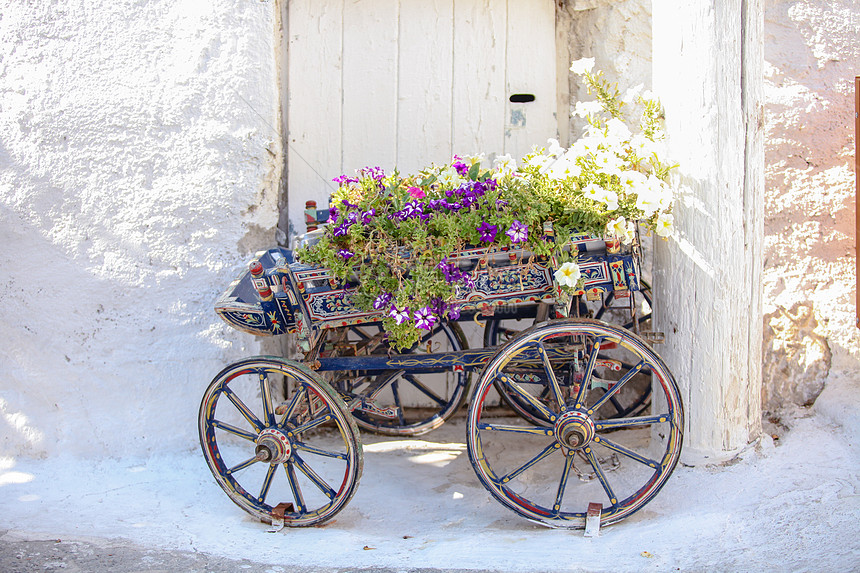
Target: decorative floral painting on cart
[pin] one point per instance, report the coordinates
(397, 235)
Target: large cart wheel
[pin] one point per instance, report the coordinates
(552, 470)
(633, 399)
(400, 402)
(279, 440)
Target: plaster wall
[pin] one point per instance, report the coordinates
(812, 54)
(138, 168)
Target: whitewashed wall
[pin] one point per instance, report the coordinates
(139, 162)
(138, 154)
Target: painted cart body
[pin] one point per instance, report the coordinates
(577, 391)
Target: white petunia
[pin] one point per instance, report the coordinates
(648, 201)
(555, 149)
(504, 164)
(632, 94)
(610, 199)
(621, 229)
(562, 169)
(582, 66)
(618, 129)
(593, 191)
(664, 226)
(586, 108)
(568, 274)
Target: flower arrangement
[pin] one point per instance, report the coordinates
(395, 234)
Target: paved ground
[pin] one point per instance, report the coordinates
(788, 507)
(27, 556)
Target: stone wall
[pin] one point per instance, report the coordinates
(812, 53)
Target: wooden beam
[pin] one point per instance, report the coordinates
(707, 71)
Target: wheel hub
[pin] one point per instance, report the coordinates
(574, 430)
(273, 446)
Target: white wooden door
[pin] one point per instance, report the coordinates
(404, 83)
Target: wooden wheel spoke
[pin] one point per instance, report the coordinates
(554, 388)
(234, 430)
(617, 386)
(243, 409)
(542, 455)
(589, 370)
(267, 483)
(318, 451)
(299, 395)
(518, 392)
(601, 476)
(266, 394)
(615, 423)
(395, 391)
(562, 484)
(242, 465)
(312, 424)
(538, 430)
(626, 452)
(314, 477)
(293, 480)
(424, 389)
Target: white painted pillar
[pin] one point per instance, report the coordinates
(707, 70)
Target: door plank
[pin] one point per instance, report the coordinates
(425, 84)
(479, 76)
(370, 84)
(314, 103)
(531, 69)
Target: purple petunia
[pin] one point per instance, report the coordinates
(345, 255)
(373, 172)
(399, 316)
(424, 318)
(488, 232)
(453, 311)
(382, 301)
(518, 232)
(367, 216)
(461, 167)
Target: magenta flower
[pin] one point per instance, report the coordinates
(488, 232)
(416, 193)
(518, 232)
(399, 316)
(424, 318)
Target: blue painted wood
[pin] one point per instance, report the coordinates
(306, 299)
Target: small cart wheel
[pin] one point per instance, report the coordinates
(551, 471)
(277, 438)
(400, 402)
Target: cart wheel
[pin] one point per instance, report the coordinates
(551, 471)
(633, 399)
(275, 434)
(402, 403)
